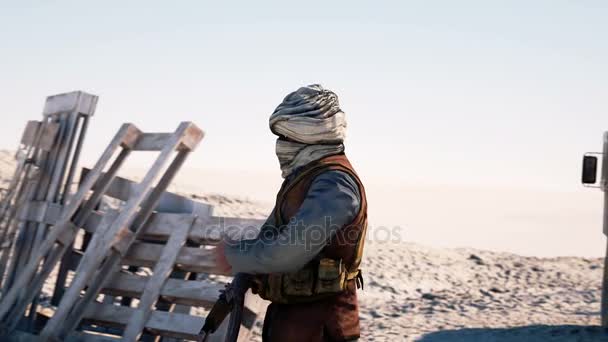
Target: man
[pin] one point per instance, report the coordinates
(307, 254)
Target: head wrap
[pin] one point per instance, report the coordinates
(313, 122)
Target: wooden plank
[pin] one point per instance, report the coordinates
(162, 323)
(40, 134)
(191, 259)
(48, 136)
(211, 230)
(160, 225)
(161, 272)
(123, 189)
(52, 166)
(40, 212)
(58, 189)
(152, 141)
(178, 291)
(28, 137)
(76, 101)
(205, 230)
(157, 141)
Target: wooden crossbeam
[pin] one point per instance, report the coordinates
(123, 189)
(205, 230)
(162, 323)
(76, 101)
(152, 141)
(192, 259)
(160, 226)
(177, 291)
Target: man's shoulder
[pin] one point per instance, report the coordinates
(337, 179)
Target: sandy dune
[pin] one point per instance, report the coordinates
(417, 292)
(414, 292)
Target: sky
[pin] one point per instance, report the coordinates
(467, 119)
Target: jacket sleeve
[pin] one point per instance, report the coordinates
(332, 201)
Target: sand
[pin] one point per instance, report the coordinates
(420, 293)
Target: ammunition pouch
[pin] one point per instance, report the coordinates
(317, 280)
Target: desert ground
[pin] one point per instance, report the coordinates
(419, 293)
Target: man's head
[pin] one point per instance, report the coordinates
(310, 126)
(310, 115)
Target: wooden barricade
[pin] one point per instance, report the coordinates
(161, 246)
(47, 157)
(137, 269)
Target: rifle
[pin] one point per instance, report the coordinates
(231, 301)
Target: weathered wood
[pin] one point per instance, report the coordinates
(20, 287)
(157, 141)
(25, 181)
(123, 189)
(76, 101)
(40, 212)
(190, 259)
(178, 291)
(40, 134)
(155, 283)
(77, 336)
(97, 250)
(120, 232)
(162, 323)
(48, 135)
(65, 233)
(161, 224)
(29, 133)
(58, 162)
(118, 249)
(40, 142)
(191, 138)
(152, 141)
(59, 188)
(205, 230)
(52, 166)
(215, 228)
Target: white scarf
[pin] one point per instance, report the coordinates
(312, 119)
(293, 155)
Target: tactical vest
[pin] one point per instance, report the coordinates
(336, 269)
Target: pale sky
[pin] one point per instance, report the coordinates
(467, 119)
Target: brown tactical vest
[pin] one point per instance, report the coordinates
(331, 317)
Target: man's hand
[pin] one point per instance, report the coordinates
(222, 263)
